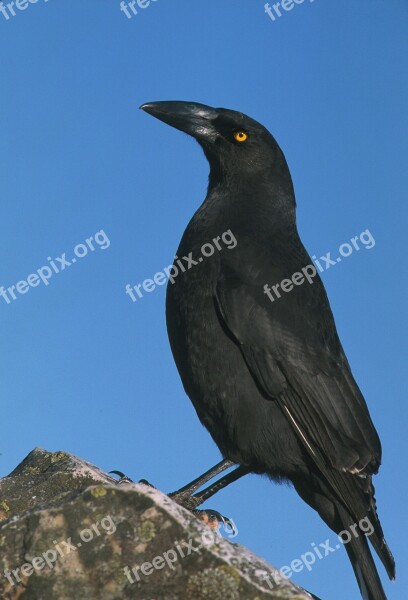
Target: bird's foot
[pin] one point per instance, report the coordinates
(125, 479)
(187, 501)
(210, 517)
(215, 520)
(122, 477)
(145, 482)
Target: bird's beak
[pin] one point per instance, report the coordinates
(190, 117)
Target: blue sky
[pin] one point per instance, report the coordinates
(85, 369)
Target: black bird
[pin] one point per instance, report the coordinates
(268, 379)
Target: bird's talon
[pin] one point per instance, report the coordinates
(145, 482)
(122, 477)
(214, 519)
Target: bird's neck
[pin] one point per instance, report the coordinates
(253, 198)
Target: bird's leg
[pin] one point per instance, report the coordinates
(183, 494)
(187, 490)
(192, 502)
(220, 484)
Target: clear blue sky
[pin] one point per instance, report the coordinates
(83, 368)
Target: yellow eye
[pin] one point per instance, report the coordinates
(240, 136)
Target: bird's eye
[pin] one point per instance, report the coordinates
(240, 136)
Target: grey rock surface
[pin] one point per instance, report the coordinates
(68, 531)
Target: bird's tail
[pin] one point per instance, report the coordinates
(361, 559)
(353, 529)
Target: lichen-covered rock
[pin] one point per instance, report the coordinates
(70, 532)
(43, 476)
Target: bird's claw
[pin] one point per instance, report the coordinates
(122, 477)
(214, 519)
(145, 482)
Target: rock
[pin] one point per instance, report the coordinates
(69, 531)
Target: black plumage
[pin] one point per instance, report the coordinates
(269, 380)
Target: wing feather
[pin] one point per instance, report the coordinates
(293, 351)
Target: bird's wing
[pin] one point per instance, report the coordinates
(292, 349)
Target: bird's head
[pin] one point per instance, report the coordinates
(234, 144)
